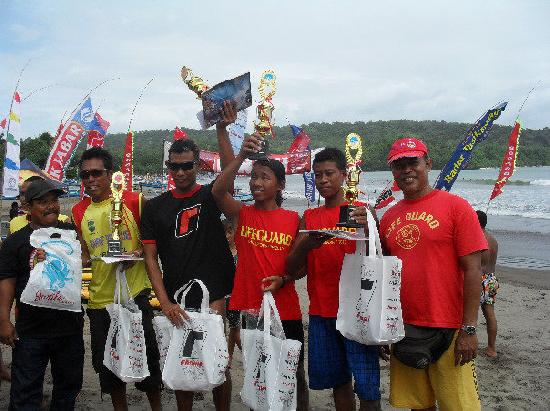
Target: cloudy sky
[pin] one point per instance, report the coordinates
(334, 60)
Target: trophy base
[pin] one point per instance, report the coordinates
(114, 248)
(345, 220)
(264, 151)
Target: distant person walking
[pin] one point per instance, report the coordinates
(489, 286)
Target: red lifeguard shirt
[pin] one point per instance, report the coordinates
(324, 264)
(263, 240)
(429, 235)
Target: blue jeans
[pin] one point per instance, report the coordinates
(29, 361)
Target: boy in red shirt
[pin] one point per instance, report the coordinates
(438, 238)
(333, 359)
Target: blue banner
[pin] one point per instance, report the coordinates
(463, 152)
(309, 180)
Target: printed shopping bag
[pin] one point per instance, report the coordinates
(270, 363)
(125, 353)
(369, 309)
(197, 357)
(163, 333)
(55, 282)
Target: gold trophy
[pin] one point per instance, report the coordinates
(114, 245)
(351, 191)
(264, 112)
(195, 83)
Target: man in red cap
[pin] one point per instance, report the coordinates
(438, 238)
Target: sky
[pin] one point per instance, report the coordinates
(334, 60)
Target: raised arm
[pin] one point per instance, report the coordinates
(221, 190)
(229, 115)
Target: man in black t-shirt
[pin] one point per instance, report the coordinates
(183, 228)
(40, 334)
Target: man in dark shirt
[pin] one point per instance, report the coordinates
(182, 227)
(40, 334)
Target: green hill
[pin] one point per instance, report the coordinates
(440, 136)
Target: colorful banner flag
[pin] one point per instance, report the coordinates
(309, 186)
(386, 197)
(127, 166)
(178, 135)
(10, 187)
(463, 152)
(67, 140)
(98, 130)
(509, 161)
(301, 140)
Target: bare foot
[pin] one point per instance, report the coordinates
(489, 352)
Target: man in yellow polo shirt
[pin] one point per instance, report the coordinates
(92, 219)
(17, 223)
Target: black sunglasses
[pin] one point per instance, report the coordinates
(86, 174)
(186, 165)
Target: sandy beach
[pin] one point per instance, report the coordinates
(519, 379)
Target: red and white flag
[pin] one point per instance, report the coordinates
(127, 167)
(509, 161)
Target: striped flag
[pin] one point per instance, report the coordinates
(10, 187)
(508, 162)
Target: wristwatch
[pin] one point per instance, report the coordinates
(468, 329)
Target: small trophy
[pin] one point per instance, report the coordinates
(351, 192)
(114, 245)
(264, 111)
(195, 83)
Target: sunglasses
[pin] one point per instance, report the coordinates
(86, 174)
(186, 165)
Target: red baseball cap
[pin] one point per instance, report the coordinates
(407, 147)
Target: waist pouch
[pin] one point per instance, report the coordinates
(422, 346)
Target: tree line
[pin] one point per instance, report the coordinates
(441, 137)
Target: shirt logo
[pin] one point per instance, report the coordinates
(408, 236)
(91, 226)
(187, 221)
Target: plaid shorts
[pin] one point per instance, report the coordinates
(333, 359)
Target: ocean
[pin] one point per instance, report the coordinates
(519, 218)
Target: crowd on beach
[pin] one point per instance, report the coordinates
(448, 264)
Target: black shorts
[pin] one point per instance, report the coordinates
(99, 328)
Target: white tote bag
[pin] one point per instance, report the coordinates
(197, 357)
(55, 282)
(163, 333)
(369, 304)
(125, 353)
(270, 363)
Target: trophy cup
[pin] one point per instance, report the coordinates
(351, 192)
(114, 245)
(264, 112)
(195, 83)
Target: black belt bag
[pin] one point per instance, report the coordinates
(422, 346)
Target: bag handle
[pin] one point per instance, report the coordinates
(269, 304)
(375, 246)
(185, 290)
(122, 291)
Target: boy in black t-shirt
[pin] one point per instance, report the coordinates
(182, 227)
(40, 334)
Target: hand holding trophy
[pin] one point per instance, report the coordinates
(351, 191)
(264, 111)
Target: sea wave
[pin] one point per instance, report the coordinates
(541, 182)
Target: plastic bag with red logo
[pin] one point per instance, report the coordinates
(270, 362)
(369, 304)
(197, 357)
(55, 282)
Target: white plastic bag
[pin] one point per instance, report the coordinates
(369, 304)
(55, 282)
(125, 353)
(163, 333)
(197, 357)
(270, 363)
